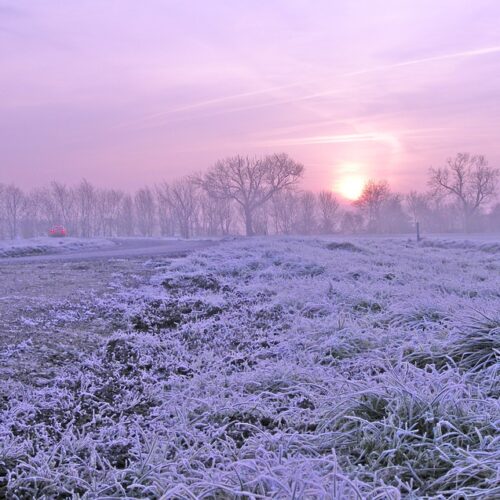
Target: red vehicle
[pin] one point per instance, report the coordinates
(58, 231)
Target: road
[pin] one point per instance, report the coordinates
(123, 248)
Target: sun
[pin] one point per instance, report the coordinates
(350, 186)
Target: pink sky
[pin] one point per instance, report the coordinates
(127, 93)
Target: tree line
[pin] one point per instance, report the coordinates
(256, 195)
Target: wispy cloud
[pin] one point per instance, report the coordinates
(392, 139)
(156, 119)
(336, 138)
(423, 60)
(216, 101)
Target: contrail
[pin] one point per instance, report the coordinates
(142, 123)
(223, 99)
(216, 100)
(339, 138)
(454, 55)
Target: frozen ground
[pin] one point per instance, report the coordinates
(285, 368)
(79, 249)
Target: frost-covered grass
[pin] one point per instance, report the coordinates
(47, 245)
(280, 368)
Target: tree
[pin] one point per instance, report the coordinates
(370, 203)
(3, 222)
(328, 206)
(494, 218)
(85, 195)
(261, 220)
(284, 210)
(251, 182)
(351, 223)
(144, 204)
(417, 205)
(125, 221)
(430, 211)
(13, 205)
(165, 215)
(109, 206)
(469, 180)
(393, 216)
(181, 197)
(63, 204)
(215, 216)
(306, 220)
(39, 212)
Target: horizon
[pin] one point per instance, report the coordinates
(128, 95)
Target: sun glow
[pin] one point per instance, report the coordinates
(350, 180)
(351, 186)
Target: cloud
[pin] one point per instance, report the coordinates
(387, 138)
(394, 140)
(423, 60)
(159, 119)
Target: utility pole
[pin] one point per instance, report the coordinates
(418, 230)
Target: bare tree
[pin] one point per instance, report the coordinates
(417, 205)
(328, 206)
(494, 218)
(63, 204)
(261, 220)
(85, 195)
(351, 222)
(39, 209)
(3, 222)
(13, 205)
(284, 210)
(215, 215)
(260, 193)
(126, 217)
(393, 218)
(370, 203)
(108, 211)
(181, 196)
(144, 204)
(306, 221)
(164, 209)
(251, 182)
(429, 210)
(469, 180)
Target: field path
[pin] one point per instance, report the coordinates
(124, 248)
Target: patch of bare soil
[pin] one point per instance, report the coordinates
(50, 314)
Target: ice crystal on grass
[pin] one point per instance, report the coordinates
(275, 368)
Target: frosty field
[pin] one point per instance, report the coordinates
(256, 368)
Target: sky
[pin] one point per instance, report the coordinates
(126, 93)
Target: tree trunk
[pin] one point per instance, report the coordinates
(467, 222)
(248, 222)
(185, 230)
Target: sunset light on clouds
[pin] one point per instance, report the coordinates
(127, 93)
